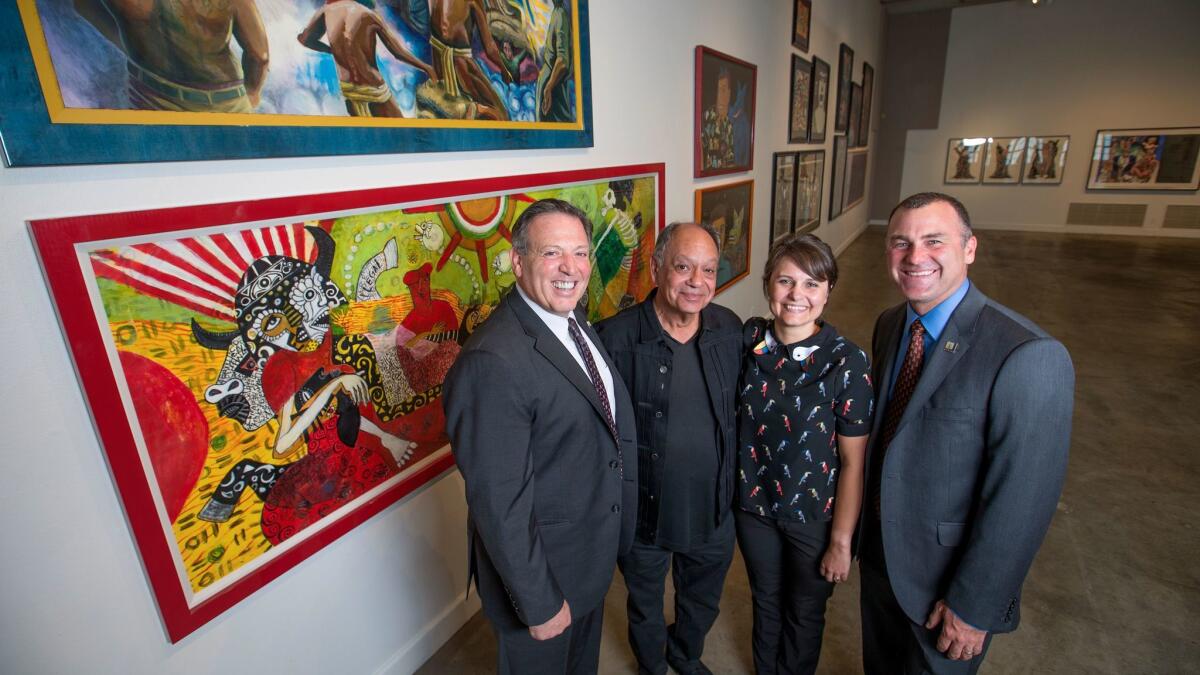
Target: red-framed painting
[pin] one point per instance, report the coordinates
(725, 108)
(729, 208)
(266, 375)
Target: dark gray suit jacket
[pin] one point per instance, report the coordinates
(974, 472)
(548, 507)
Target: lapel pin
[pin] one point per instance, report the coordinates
(950, 346)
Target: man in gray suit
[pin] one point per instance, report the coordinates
(541, 431)
(967, 454)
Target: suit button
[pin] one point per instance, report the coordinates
(651, 497)
(616, 508)
(654, 455)
(658, 414)
(662, 369)
(613, 464)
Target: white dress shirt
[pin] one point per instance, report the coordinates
(558, 325)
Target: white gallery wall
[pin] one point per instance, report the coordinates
(73, 596)
(1070, 67)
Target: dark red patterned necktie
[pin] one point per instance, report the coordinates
(906, 382)
(594, 375)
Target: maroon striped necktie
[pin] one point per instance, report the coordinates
(598, 383)
(906, 382)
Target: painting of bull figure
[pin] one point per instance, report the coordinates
(279, 381)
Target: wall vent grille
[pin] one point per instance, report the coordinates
(1181, 215)
(1126, 215)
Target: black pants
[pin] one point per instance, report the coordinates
(892, 643)
(783, 560)
(699, 577)
(575, 652)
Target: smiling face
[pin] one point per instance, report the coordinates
(796, 299)
(687, 277)
(554, 270)
(927, 254)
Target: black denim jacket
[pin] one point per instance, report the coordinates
(635, 341)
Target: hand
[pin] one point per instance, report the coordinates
(835, 564)
(555, 626)
(546, 99)
(958, 641)
(431, 73)
(355, 387)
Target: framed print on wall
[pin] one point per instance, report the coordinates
(1045, 159)
(729, 209)
(810, 177)
(964, 160)
(845, 75)
(837, 177)
(856, 94)
(198, 334)
(868, 88)
(801, 24)
(1003, 159)
(76, 89)
(800, 107)
(1146, 159)
(856, 178)
(783, 194)
(724, 130)
(820, 101)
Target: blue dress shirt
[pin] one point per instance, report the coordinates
(934, 321)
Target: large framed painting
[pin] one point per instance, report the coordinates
(810, 176)
(820, 101)
(868, 92)
(801, 24)
(1003, 160)
(837, 177)
(1045, 159)
(783, 194)
(856, 178)
(800, 107)
(99, 81)
(266, 375)
(964, 160)
(729, 209)
(1146, 159)
(845, 76)
(724, 131)
(852, 128)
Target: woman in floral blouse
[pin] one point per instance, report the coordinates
(804, 412)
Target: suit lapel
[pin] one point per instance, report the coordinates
(884, 366)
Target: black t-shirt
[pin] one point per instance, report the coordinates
(689, 487)
(795, 400)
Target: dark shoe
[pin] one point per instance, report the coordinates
(688, 667)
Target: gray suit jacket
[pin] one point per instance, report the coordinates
(548, 506)
(974, 472)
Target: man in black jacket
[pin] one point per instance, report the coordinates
(679, 357)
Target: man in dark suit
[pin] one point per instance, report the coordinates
(541, 431)
(967, 454)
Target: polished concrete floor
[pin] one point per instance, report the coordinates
(1116, 587)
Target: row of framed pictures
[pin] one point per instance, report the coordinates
(796, 192)
(809, 101)
(1037, 160)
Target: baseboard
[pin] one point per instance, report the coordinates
(1176, 233)
(431, 637)
(850, 240)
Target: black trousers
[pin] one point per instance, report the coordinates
(575, 652)
(892, 643)
(783, 560)
(699, 577)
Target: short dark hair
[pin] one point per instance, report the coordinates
(520, 229)
(664, 238)
(923, 199)
(807, 252)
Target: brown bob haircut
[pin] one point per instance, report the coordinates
(807, 252)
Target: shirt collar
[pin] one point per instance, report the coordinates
(935, 320)
(554, 322)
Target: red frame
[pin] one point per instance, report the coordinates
(55, 241)
(697, 161)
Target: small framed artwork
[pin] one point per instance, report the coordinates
(729, 209)
(845, 74)
(856, 178)
(724, 131)
(783, 194)
(819, 101)
(964, 160)
(868, 87)
(1146, 159)
(1045, 158)
(837, 177)
(801, 24)
(810, 177)
(856, 94)
(800, 108)
(1003, 160)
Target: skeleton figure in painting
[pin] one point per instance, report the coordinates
(451, 26)
(352, 29)
(179, 53)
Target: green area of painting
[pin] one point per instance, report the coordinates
(122, 303)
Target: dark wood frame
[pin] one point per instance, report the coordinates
(800, 135)
(816, 222)
(836, 186)
(864, 122)
(819, 64)
(791, 216)
(798, 43)
(698, 157)
(845, 77)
